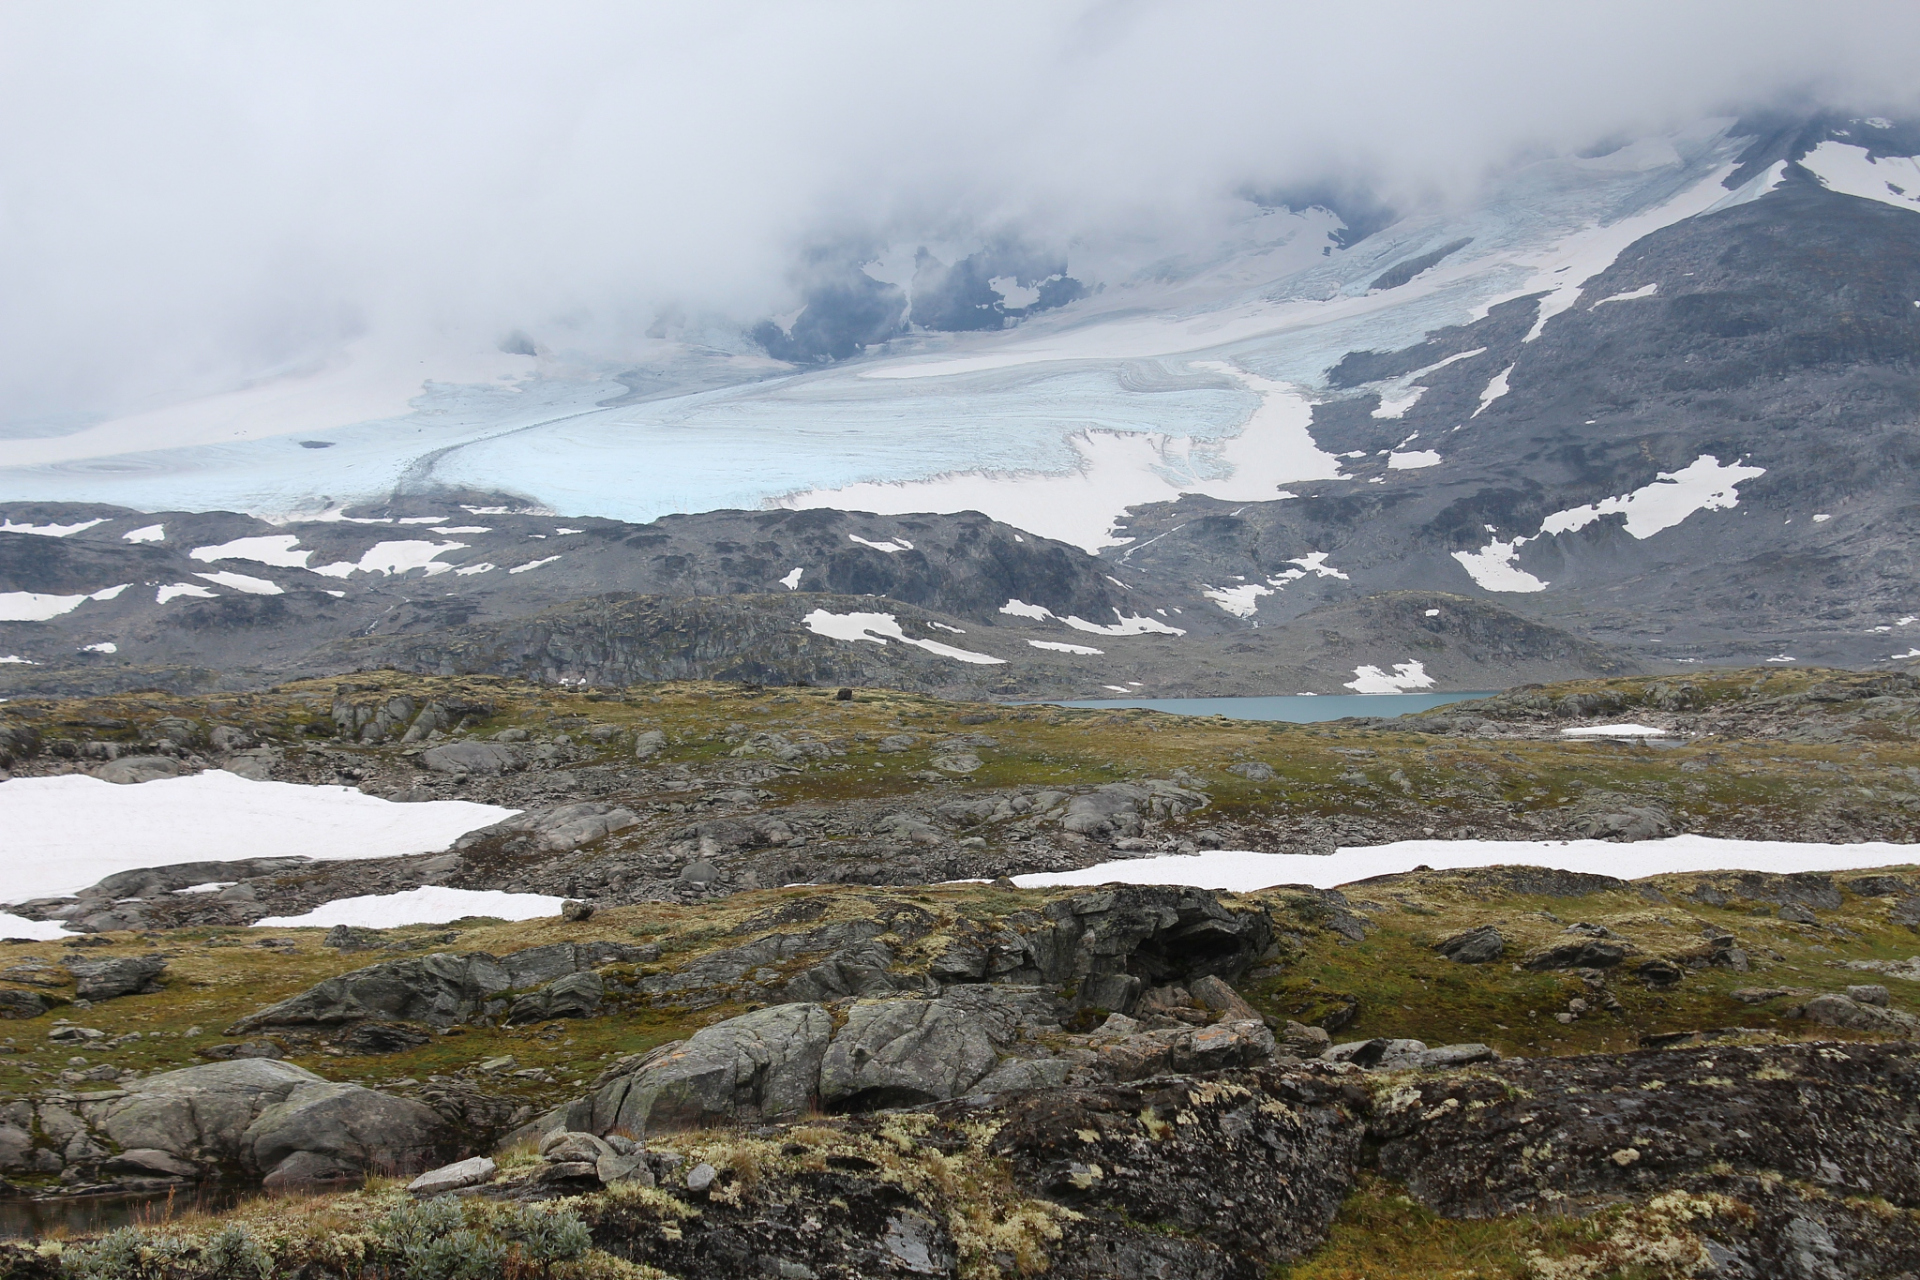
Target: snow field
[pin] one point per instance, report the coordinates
(429, 904)
(1240, 871)
(1406, 677)
(33, 606)
(65, 833)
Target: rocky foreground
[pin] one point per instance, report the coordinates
(703, 1069)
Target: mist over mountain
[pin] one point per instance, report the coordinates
(201, 198)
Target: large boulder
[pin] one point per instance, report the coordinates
(327, 1132)
(267, 1117)
(134, 769)
(472, 758)
(908, 1052)
(116, 976)
(764, 1063)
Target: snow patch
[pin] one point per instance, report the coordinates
(1406, 675)
(1615, 731)
(395, 557)
(1496, 387)
(472, 569)
(105, 646)
(1239, 601)
(882, 627)
(65, 833)
(147, 533)
(12, 926)
(1243, 872)
(890, 546)
(1704, 485)
(1396, 406)
(275, 549)
(1059, 646)
(792, 581)
(14, 657)
(49, 530)
(532, 564)
(1893, 180)
(170, 590)
(1644, 291)
(1822, 518)
(445, 529)
(429, 904)
(33, 606)
(1126, 626)
(958, 631)
(1412, 460)
(241, 582)
(1492, 567)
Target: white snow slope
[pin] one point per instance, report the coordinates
(65, 833)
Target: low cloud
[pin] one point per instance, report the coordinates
(196, 194)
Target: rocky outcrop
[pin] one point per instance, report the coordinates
(1476, 946)
(445, 990)
(557, 830)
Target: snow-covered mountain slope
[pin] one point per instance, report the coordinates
(1663, 397)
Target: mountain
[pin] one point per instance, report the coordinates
(1649, 408)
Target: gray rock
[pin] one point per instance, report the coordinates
(764, 1063)
(1381, 1053)
(261, 1048)
(577, 995)
(133, 769)
(16, 1145)
(906, 1052)
(22, 1004)
(1633, 822)
(1305, 1042)
(311, 1171)
(1024, 1073)
(471, 757)
(1840, 1011)
(1186, 1049)
(558, 830)
(576, 912)
(958, 762)
(1253, 770)
(566, 1146)
(1456, 1055)
(1119, 808)
(898, 742)
(1476, 946)
(116, 976)
(346, 937)
(1217, 997)
(151, 1160)
(1873, 994)
(473, 1172)
(75, 1035)
(1589, 954)
(700, 1177)
(356, 1128)
(1797, 914)
(649, 744)
(631, 1166)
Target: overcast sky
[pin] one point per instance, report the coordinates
(194, 193)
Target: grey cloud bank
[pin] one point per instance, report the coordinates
(197, 195)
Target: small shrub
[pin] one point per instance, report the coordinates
(235, 1255)
(546, 1235)
(126, 1254)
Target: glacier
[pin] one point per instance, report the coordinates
(1191, 376)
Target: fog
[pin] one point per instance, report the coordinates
(196, 194)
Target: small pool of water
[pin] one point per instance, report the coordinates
(1297, 708)
(91, 1215)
